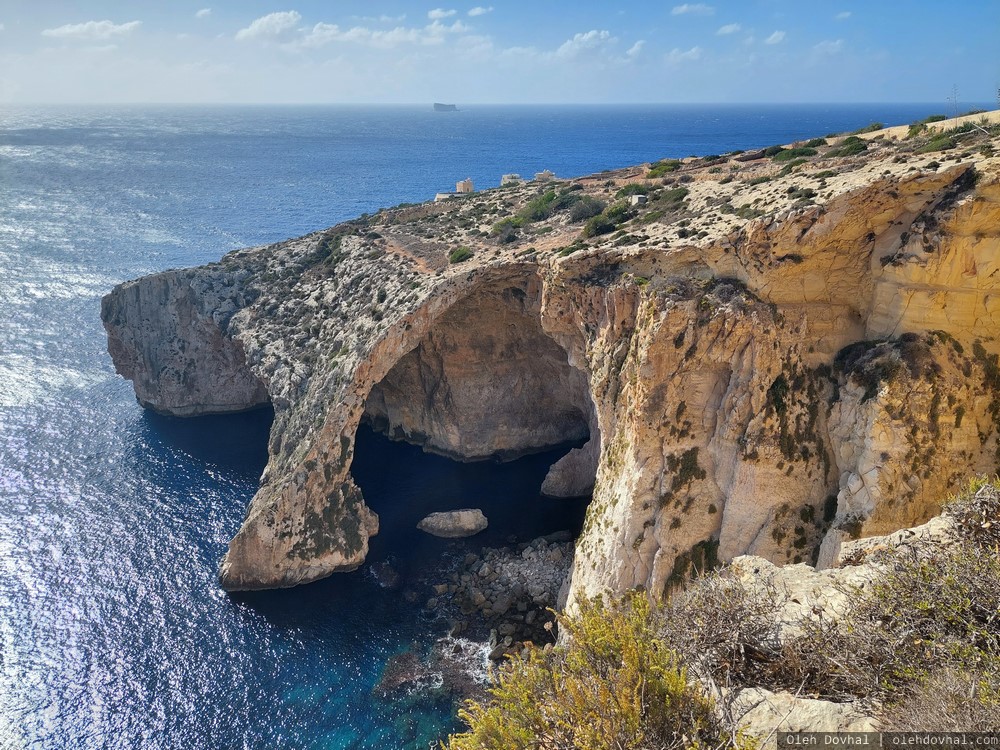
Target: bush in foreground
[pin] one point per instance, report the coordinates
(925, 633)
(614, 686)
(920, 647)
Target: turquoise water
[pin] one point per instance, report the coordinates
(113, 631)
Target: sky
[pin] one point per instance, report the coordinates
(517, 51)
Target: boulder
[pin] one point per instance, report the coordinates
(763, 712)
(454, 523)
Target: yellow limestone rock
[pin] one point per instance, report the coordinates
(751, 367)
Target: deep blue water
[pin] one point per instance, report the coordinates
(113, 632)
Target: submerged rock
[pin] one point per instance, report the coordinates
(453, 524)
(454, 667)
(385, 575)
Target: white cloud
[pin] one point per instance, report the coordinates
(775, 38)
(676, 55)
(843, 15)
(828, 47)
(327, 33)
(271, 25)
(380, 19)
(203, 13)
(729, 28)
(584, 42)
(92, 30)
(479, 10)
(439, 14)
(694, 9)
(635, 49)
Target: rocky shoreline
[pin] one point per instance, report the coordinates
(506, 594)
(494, 603)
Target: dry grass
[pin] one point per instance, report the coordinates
(928, 625)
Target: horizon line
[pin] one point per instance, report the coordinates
(485, 104)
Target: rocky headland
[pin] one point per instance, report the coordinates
(768, 353)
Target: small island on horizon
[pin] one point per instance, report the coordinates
(439, 107)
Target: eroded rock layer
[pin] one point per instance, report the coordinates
(485, 382)
(764, 366)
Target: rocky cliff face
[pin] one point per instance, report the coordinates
(765, 366)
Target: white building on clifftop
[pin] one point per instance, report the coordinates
(462, 187)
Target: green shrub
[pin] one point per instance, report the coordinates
(505, 230)
(459, 254)
(937, 143)
(538, 209)
(614, 685)
(873, 128)
(793, 153)
(598, 225)
(570, 249)
(787, 169)
(920, 126)
(663, 167)
(566, 199)
(585, 208)
(673, 198)
(650, 216)
(634, 188)
(744, 212)
(619, 212)
(800, 193)
(850, 146)
(773, 150)
(815, 143)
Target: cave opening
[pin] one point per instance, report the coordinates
(484, 412)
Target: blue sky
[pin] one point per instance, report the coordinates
(346, 51)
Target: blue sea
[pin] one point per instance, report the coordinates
(113, 630)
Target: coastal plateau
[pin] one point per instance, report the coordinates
(768, 353)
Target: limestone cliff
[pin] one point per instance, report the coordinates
(765, 357)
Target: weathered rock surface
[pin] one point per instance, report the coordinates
(486, 382)
(453, 524)
(765, 712)
(823, 370)
(166, 335)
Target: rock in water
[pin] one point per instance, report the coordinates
(454, 523)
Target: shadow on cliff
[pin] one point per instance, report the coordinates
(233, 443)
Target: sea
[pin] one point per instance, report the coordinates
(114, 632)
